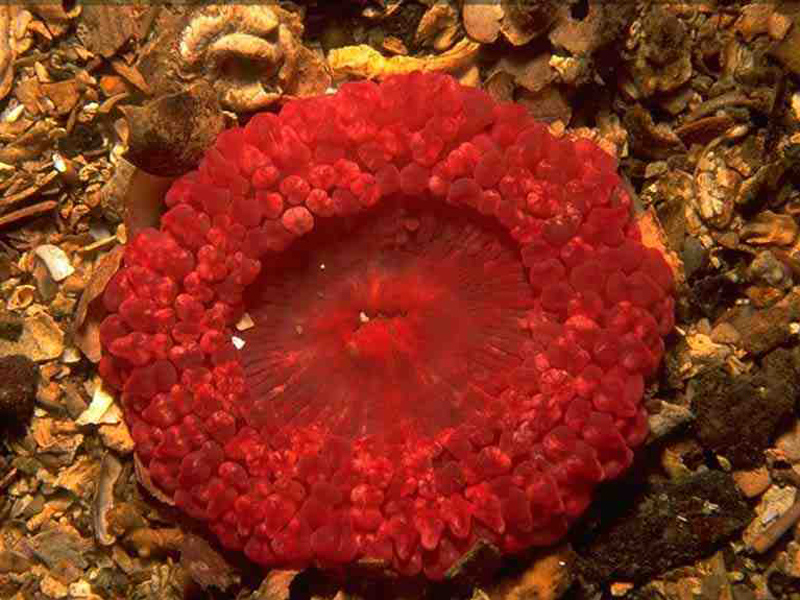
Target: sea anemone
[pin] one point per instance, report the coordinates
(454, 317)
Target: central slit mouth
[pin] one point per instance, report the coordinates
(368, 329)
(405, 312)
(364, 317)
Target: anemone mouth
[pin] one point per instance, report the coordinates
(453, 319)
(395, 325)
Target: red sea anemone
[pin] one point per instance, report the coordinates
(454, 319)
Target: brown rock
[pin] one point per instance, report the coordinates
(649, 139)
(754, 482)
(18, 380)
(673, 524)
(737, 416)
(604, 23)
(663, 61)
(668, 419)
(702, 131)
(765, 329)
(64, 94)
(63, 550)
(149, 541)
(716, 186)
(767, 270)
(525, 21)
(762, 296)
(501, 86)
(770, 228)
(548, 104)
(112, 85)
(548, 578)
(171, 133)
(725, 333)
(275, 585)
(671, 192)
(10, 325)
(117, 437)
(86, 322)
(29, 145)
(131, 75)
(778, 26)
(530, 70)
(438, 26)
(7, 50)
(788, 50)
(105, 28)
(206, 566)
(754, 19)
(789, 444)
(773, 504)
(482, 20)
(14, 562)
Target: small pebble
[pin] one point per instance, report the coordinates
(18, 380)
(754, 482)
(56, 261)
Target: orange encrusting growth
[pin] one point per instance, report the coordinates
(454, 319)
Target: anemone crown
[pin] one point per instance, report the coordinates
(454, 319)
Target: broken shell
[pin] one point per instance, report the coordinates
(663, 61)
(110, 471)
(768, 272)
(669, 418)
(524, 21)
(249, 53)
(770, 228)
(438, 27)
(365, 62)
(648, 139)
(56, 261)
(102, 400)
(42, 339)
(214, 34)
(482, 20)
(7, 51)
(716, 184)
(21, 297)
(245, 323)
(71, 355)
